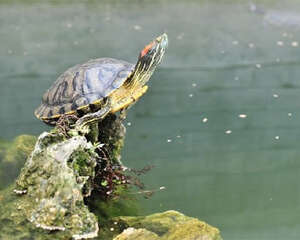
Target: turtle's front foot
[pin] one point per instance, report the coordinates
(82, 124)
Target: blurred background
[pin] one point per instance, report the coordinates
(220, 121)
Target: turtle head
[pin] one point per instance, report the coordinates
(149, 58)
(152, 53)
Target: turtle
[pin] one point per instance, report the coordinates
(100, 86)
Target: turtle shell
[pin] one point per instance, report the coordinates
(82, 85)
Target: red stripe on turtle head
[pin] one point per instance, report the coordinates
(146, 49)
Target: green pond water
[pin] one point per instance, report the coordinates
(221, 119)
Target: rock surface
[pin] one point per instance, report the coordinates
(137, 234)
(53, 186)
(169, 225)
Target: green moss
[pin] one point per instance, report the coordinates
(171, 225)
(80, 163)
(158, 223)
(192, 229)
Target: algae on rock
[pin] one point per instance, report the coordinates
(169, 225)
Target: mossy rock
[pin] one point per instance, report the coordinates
(170, 225)
(52, 192)
(136, 234)
(13, 222)
(192, 229)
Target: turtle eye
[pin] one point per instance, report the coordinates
(146, 49)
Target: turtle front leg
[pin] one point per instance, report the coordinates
(83, 123)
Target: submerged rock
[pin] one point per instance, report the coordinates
(169, 225)
(13, 156)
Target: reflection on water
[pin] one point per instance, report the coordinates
(221, 119)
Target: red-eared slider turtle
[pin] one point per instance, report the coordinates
(100, 86)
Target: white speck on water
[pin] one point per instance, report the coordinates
(169, 140)
(242, 116)
(295, 44)
(258, 65)
(180, 36)
(191, 95)
(280, 43)
(235, 42)
(75, 42)
(137, 27)
(194, 84)
(222, 52)
(236, 78)
(204, 120)
(271, 199)
(178, 136)
(275, 95)
(129, 124)
(25, 53)
(284, 34)
(9, 51)
(69, 25)
(277, 137)
(289, 114)
(162, 188)
(277, 59)
(228, 131)
(251, 45)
